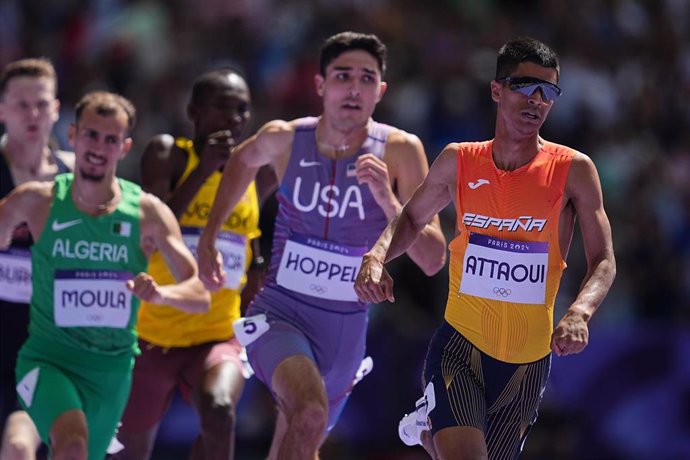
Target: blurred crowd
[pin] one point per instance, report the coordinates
(625, 71)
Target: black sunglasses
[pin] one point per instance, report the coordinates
(528, 85)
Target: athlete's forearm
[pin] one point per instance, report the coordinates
(594, 288)
(179, 199)
(189, 296)
(236, 178)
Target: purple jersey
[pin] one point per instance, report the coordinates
(325, 221)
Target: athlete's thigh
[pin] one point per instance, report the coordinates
(216, 373)
(45, 391)
(452, 366)
(153, 385)
(105, 399)
(511, 416)
(348, 339)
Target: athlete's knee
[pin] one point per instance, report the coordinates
(17, 448)
(71, 448)
(69, 436)
(309, 416)
(216, 413)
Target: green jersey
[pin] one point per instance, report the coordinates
(80, 265)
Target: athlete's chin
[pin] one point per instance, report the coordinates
(91, 176)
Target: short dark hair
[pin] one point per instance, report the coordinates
(209, 82)
(107, 104)
(347, 41)
(31, 67)
(525, 49)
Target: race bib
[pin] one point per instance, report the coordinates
(233, 248)
(92, 298)
(15, 275)
(511, 271)
(250, 328)
(320, 268)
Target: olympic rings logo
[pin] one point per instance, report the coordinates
(502, 291)
(318, 288)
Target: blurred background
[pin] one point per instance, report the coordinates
(625, 70)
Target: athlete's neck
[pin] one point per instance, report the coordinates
(334, 142)
(27, 160)
(96, 197)
(510, 154)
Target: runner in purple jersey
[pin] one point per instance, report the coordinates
(342, 178)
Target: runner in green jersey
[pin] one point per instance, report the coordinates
(93, 233)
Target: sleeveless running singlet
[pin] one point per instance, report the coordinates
(169, 327)
(80, 265)
(505, 262)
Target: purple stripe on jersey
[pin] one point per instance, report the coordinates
(17, 252)
(509, 245)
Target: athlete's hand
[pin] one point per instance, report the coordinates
(373, 283)
(144, 287)
(216, 151)
(571, 335)
(211, 271)
(373, 171)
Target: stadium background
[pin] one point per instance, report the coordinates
(626, 74)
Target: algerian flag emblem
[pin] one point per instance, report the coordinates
(122, 228)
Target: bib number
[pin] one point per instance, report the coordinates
(505, 270)
(15, 275)
(248, 329)
(320, 268)
(233, 248)
(92, 298)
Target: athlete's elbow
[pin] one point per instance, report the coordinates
(434, 264)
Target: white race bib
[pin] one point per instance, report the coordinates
(320, 268)
(250, 328)
(233, 248)
(505, 270)
(15, 275)
(92, 298)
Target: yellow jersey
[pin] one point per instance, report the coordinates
(169, 327)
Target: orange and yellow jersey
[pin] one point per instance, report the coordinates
(169, 327)
(505, 262)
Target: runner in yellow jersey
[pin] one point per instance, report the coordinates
(517, 197)
(196, 353)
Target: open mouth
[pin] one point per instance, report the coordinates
(351, 106)
(95, 160)
(531, 116)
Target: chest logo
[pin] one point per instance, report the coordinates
(479, 183)
(58, 226)
(305, 164)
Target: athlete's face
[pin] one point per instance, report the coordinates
(521, 114)
(99, 142)
(351, 88)
(29, 108)
(228, 108)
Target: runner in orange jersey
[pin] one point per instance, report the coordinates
(517, 197)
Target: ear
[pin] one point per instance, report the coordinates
(383, 86)
(496, 88)
(126, 147)
(319, 83)
(72, 134)
(56, 111)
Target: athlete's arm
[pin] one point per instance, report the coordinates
(28, 202)
(374, 284)
(161, 168)
(571, 335)
(263, 148)
(159, 230)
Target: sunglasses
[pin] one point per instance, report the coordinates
(528, 85)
